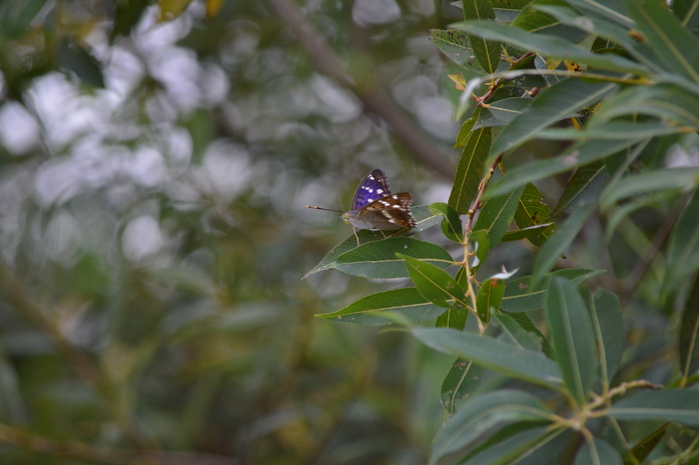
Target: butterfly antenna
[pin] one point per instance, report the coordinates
(325, 209)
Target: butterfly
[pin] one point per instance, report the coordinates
(375, 207)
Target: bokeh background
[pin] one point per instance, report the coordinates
(155, 160)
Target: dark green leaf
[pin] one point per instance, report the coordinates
(687, 11)
(466, 128)
(608, 323)
(454, 318)
(493, 354)
(496, 215)
(435, 284)
(612, 10)
(527, 233)
(526, 443)
(15, 17)
(128, 14)
(598, 452)
(378, 259)
(646, 445)
(652, 181)
(688, 344)
(462, 380)
(74, 57)
(487, 52)
(484, 413)
(470, 170)
(423, 215)
(489, 296)
(532, 211)
(683, 250)
(673, 44)
(451, 224)
(406, 301)
(583, 187)
(525, 332)
(677, 405)
(508, 109)
(455, 45)
(572, 338)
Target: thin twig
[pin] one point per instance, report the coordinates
(375, 99)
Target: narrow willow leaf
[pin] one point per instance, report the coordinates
(493, 354)
(454, 318)
(526, 446)
(455, 45)
(487, 52)
(608, 321)
(424, 217)
(683, 250)
(582, 154)
(560, 101)
(677, 405)
(451, 224)
(672, 43)
(598, 452)
(521, 296)
(484, 413)
(470, 170)
(572, 338)
(516, 323)
(489, 296)
(646, 445)
(687, 11)
(651, 181)
(532, 211)
(406, 301)
(585, 185)
(496, 215)
(466, 128)
(435, 284)
(560, 241)
(526, 233)
(612, 10)
(509, 108)
(378, 259)
(688, 344)
(550, 47)
(615, 130)
(462, 380)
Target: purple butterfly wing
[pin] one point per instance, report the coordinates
(373, 187)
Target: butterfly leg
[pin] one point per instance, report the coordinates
(355, 235)
(383, 233)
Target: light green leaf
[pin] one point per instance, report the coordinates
(470, 170)
(532, 211)
(493, 354)
(435, 284)
(677, 405)
(466, 128)
(673, 44)
(688, 344)
(484, 413)
(489, 296)
(557, 245)
(496, 215)
(572, 338)
(598, 452)
(463, 379)
(407, 301)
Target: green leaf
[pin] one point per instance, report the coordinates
(15, 17)
(572, 338)
(521, 296)
(583, 187)
(688, 344)
(463, 379)
(492, 354)
(532, 211)
(530, 445)
(479, 242)
(407, 301)
(651, 181)
(508, 109)
(496, 215)
(608, 322)
(526, 233)
(487, 52)
(377, 259)
(435, 284)
(489, 411)
(598, 452)
(466, 128)
(489, 296)
(560, 101)
(74, 57)
(677, 405)
(523, 330)
(128, 14)
(560, 241)
(424, 217)
(687, 11)
(683, 249)
(578, 155)
(612, 10)
(673, 44)
(451, 224)
(615, 130)
(551, 47)
(455, 45)
(646, 445)
(454, 318)
(470, 170)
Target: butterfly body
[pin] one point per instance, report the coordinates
(375, 207)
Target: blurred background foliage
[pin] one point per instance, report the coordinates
(156, 158)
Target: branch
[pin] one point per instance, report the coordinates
(81, 451)
(374, 99)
